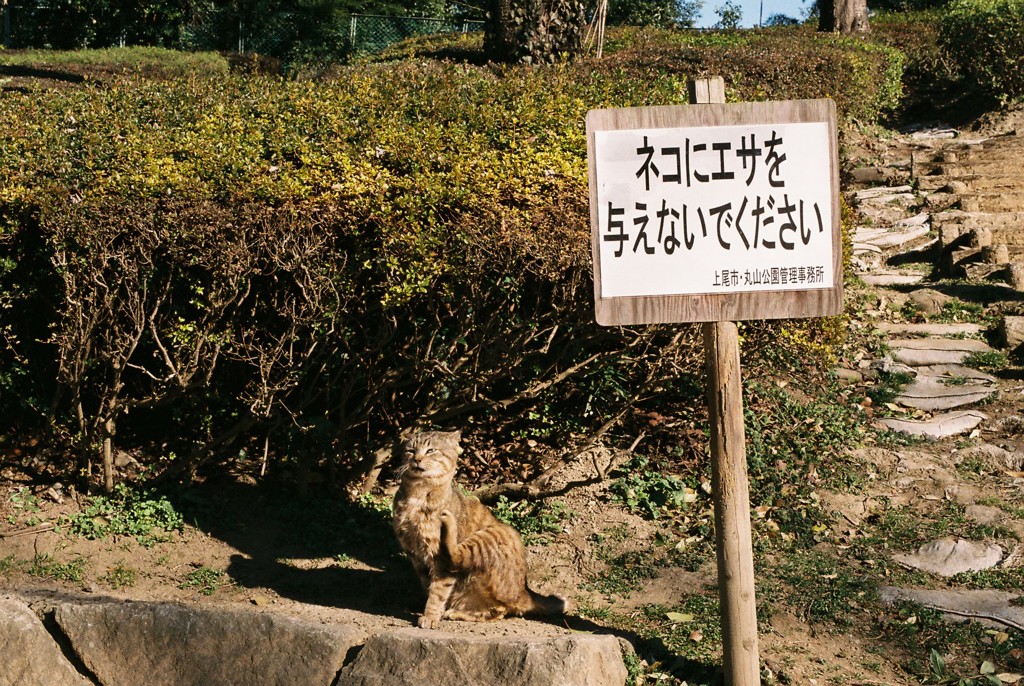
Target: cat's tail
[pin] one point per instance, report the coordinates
(537, 604)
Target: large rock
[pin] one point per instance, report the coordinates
(1011, 332)
(28, 654)
(127, 644)
(414, 657)
(929, 301)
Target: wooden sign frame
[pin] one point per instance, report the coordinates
(714, 307)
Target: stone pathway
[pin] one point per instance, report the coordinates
(954, 207)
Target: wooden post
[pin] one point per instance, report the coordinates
(729, 479)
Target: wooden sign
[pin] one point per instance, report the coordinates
(715, 212)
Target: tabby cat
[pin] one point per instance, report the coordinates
(472, 566)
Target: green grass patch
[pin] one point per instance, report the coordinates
(25, 506)
(625, 572)
(9, 565)
(204, 580)
(649, 491)
(148, 517)
(46, 567)
(536, 522)
(825, 590)
(987, 361)
(119, 576)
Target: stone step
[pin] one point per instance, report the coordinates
(938, 427)
(992, 183)
(930, 329)
(952, 224)
(993, 202)
(918, 253)
(988, 606)
(935, 134)
(900, 234)
(919, 352)
(882, 192)
(951, 556)
(891, 278)
(971, 182)
(933, 393)
(956, 371)
(987, 166)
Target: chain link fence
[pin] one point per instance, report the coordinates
(284, 34)
(370, 33)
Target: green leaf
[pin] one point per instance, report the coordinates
(937, 663)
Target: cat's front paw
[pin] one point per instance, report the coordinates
(447, 519)
(425, 622)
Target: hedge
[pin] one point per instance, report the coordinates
(986, 40)
(195, 268)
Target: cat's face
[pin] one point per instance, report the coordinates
(430, 455)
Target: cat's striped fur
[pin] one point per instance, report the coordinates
(472, 566)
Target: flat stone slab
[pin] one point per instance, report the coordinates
(915, 221)
(987, 606)
(937, 393)
(29, 656)
(918, 352)
(887, 278)
(956, 371)
(896, 237)
(866, 248)
(162, 644)
(935, 134)
(939, 426)
(417, 657)
(951, 556)
(882, 191)
(909, 329)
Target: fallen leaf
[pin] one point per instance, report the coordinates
(696, 636)
(679, 617)
(1008, 678)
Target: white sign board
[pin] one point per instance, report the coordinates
(714, 209)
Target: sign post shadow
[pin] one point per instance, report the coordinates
(717, 214)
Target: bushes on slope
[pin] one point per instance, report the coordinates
(199, 267)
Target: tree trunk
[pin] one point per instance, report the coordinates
(846, 17)
(533, 31)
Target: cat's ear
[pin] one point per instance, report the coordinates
(455, 437)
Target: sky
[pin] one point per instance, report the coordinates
(751, 9)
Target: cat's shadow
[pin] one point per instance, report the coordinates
(385, 592)
(319, 550)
